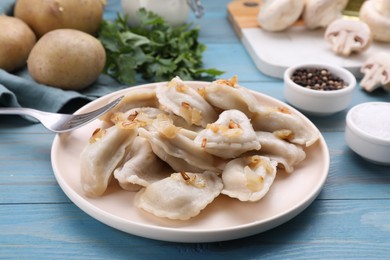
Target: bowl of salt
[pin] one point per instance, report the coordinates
(367, 131)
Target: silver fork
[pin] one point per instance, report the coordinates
(60, 123)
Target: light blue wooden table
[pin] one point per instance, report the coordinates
(349, 219)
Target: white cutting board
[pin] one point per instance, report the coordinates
(274, 52)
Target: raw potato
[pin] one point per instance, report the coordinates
(48, 15)
(67, 59)
(16, 42)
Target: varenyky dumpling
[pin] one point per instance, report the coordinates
(248, 178)
(158, 147)
(141, 116)
(181, 196)
(104, 152)
(137, 98)
(231, 135)
(141, 166)
(227, 94)
(184, 101)
(285, 153)
(144, 117)
(177, 149)
(273, 119)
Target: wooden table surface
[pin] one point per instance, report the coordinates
(349, 219)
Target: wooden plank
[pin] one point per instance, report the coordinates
(326, 228)
(16, 124)
(243, 14)
(348, 220)
(233, 59)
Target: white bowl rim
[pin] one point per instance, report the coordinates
(341, 72)
(354, 128)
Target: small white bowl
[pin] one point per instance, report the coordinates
(319, 102)
(367, 131)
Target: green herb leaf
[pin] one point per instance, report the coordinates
(153, 49)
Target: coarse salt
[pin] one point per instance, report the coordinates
(373, 118)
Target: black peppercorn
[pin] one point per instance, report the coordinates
(317, 79)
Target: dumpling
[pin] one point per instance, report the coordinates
(184, 101)
(227, 94)
(135, 98)
(142, 116)
(272, 119)
(141, 166)
(181, 196)
(231, 135)
(248, 178)
(178, 150)
(158, 148)
(102, 155)
(285, 153)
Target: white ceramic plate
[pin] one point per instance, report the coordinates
(223, 219)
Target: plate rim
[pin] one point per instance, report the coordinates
(183, 234)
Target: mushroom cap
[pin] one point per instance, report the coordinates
(278, 15)
(378, 23)
(320, 13)
(382, 6)
(376, 70)
(347, 36)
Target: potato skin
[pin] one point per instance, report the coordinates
(48, 15)
(16, 42)
(67, 59)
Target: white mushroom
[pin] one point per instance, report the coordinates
(383, 6)
(376, 72)
(376, 13)
(278, 15)
(320, 13)
(347, 36)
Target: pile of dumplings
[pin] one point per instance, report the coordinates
(181, 146)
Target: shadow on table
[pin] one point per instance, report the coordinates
(269, 243)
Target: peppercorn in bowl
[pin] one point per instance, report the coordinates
(318, 89)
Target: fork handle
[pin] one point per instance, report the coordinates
(20, 111)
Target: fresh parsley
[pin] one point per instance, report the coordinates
(153, 49)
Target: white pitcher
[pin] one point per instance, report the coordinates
(175, 12)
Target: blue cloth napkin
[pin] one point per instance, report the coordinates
(18, 89)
